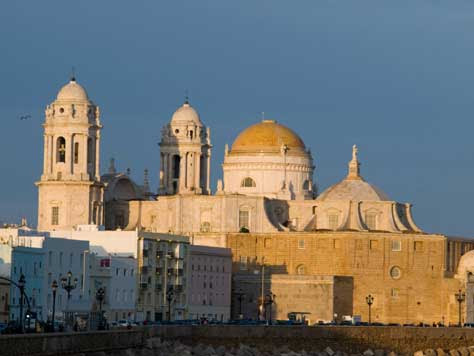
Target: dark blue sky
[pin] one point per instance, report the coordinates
(394, 77)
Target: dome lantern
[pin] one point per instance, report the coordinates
(354, 165)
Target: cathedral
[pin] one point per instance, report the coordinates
(308, 253)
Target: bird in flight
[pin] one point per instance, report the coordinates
(25, 117)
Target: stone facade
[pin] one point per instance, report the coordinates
(309, 297)
(70, 191)
(405, 273)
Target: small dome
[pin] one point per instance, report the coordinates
(353, 189)
(185, 114)
(72, 91)
(267, 136)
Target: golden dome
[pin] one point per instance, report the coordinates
(268, 136)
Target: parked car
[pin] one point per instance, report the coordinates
(124, 323)
(13, 327)
(346, 322)
(3, 326)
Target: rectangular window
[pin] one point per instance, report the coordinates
(243, 263)
(76, 152)
(89, 150)
(336, 243)
(371, 221)
(418, 246)
(333, 221)
(50, 258)
(244, 219)
(55, 215)
(396, 245)
(374, 244)
(301, 244)
(394, 293)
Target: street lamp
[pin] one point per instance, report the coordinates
(460, 297)
(21, 285)
(370, 300)
(54, 287)
(169, 299)
(100, 296)
(240, 296)
(68, 285)
(270, 299)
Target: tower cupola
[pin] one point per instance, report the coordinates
(185, 153)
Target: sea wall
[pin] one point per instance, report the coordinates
(402, 340)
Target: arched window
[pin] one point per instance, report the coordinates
(301, 269)
(248, 183)
(61, 150)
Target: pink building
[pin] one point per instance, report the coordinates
(210, 273)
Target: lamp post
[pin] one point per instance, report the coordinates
(270, 299)
(68, 284)
(370, 300)
(169, 299)
(460, 297)
(240, 296)
(100, 296)
(21, 286)
(54, 287)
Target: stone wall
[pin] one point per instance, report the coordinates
(318, 297)
(347, 339)
(404, 272)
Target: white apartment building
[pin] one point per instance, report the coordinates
(162, 262)
(53, 260)
(117, 275)
(41, 266)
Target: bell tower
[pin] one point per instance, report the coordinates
(70, 192)
(185, 154)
